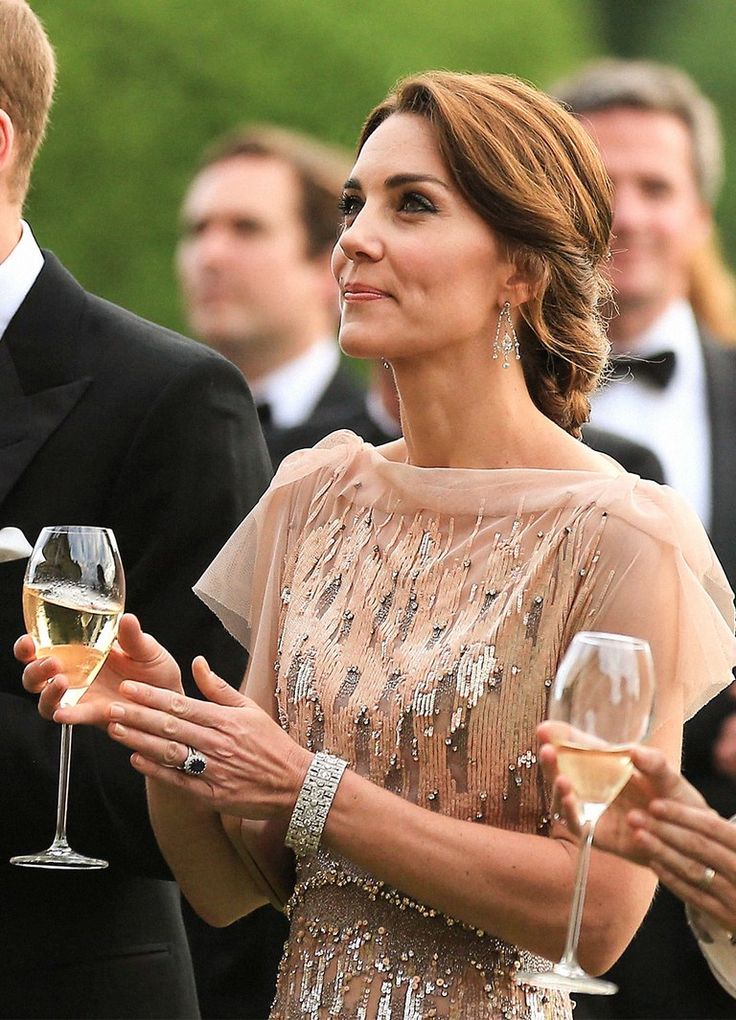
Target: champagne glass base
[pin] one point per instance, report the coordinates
(566, 979)
(59, 857)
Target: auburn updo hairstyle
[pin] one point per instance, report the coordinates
(531, 171)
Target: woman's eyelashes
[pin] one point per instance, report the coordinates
(411, 202)
(349, 206)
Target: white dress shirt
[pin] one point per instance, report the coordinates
(673, 422)
(293, 391)
(18, 273)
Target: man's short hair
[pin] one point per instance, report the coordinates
(321, 170)
(647, 85)
(27, 80)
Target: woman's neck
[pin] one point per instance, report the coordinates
(472, 415)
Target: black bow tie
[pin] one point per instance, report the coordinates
(265, 417)
(656, 369)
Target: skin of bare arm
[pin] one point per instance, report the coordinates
(484, 876)
(661, 820)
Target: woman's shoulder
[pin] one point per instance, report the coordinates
(648, 515)
(330, 454)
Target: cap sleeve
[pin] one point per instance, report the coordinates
(242, 585)
(670, 589)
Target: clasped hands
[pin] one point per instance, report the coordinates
(255, 769)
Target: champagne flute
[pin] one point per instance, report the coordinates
(602, 702)
(73, 598)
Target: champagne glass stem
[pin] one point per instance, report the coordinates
(570, 955)
(65, 755)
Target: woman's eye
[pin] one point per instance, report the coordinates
(349, 206)
(413, 202)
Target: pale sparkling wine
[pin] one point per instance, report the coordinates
(598, 774)
(77, 630)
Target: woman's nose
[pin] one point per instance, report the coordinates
(360, 238)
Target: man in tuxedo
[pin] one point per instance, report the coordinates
(674, 389)
(258, 223)
(105, 420)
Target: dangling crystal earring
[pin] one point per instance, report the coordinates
(385, 363)
(506, 341)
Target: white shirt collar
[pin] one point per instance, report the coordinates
(294, 390)
(380, 416)
(18, 273)
(674, 422)
(675, 330)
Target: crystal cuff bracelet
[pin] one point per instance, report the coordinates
(313, 803)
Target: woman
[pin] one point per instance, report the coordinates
(405, 607)
(662, 821)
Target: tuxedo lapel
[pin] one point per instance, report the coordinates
(37, 385)
(720, 365)
(27, 422)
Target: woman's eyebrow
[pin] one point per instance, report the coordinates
(399, 180)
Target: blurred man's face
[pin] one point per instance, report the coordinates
(659, 219)
(243, 263)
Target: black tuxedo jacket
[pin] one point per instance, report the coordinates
(336, 408)
(663, 974)
(108, 420)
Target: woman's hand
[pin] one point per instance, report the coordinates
(692, 850)
(661, 820)
(254, 769)
(135, 655)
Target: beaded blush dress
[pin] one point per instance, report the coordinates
(410, 620)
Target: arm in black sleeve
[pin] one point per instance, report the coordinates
(196, 467)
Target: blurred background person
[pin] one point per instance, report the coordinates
(258, 223)
(105, 419)
(674, 387)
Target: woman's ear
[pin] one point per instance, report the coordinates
(520, 282)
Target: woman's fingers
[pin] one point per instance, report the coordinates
(214, 688)
(161, 735)
(664, 780)
(701, 880)
(173, 703)
(718, 901)
(698, 833)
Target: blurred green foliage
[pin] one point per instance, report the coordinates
(145, 84)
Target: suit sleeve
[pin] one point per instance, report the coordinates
(196, 467)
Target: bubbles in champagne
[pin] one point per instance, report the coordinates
(74, 625)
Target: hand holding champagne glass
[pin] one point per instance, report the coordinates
(73, 598)
(602, 702)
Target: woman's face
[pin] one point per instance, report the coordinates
(418, 268)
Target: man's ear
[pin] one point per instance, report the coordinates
(703, 226)
(7, 142)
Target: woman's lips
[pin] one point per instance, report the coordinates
(357, 292)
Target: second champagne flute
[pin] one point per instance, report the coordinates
(73, 598)
(602, 702)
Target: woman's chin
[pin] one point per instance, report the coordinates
(355, 346)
